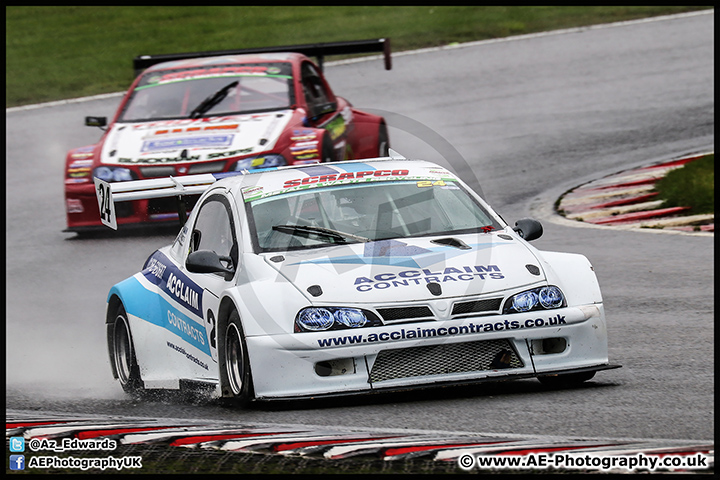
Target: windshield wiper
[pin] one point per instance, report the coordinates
(212, 100)
(307, 230)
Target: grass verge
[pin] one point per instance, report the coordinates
(60, 52)
(692, 185)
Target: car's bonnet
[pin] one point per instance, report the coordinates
(171, 142)
(400, 270)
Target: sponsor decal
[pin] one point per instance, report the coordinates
(193, 130)
(74, 205)
(209, 123)
(423, 276)
(78, 172)
(220, 127)
(232, 153)
(160, 271)
(210, 141)
(347, 115)
(80, 163)
(154, 160)
(339, 177)
(336, 127)
(213, 72)
(250, 192)
(326, 176)
(299, 146)
(494, 325)
(301, 135)
(187, 355)
(185, 329)
(186, 292)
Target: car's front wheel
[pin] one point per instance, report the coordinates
(383, 141)
(328, 151)
(123, 351)
(236, 378)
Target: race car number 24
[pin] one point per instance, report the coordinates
(106, 204)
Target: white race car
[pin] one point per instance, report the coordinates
(347, 278)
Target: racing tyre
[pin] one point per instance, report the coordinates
(236, 379)
(567, 380)
(383, 141)
(126, 366)
(327, 150)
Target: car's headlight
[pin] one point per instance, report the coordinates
(542, 298)
(259, 161)
(113, 174)
(318, 319)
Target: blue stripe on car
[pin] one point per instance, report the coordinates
(152, 308)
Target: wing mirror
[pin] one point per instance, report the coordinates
(320, 109)
(528, 228)
(96, 122)
(206, 261)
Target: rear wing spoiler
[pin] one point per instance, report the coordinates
(316, 50)
(109, 193)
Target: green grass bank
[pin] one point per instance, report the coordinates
(692, 185)
(62, 52)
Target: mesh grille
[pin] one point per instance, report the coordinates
(477, 306)
(404, 313)
(158, 171)
(444, 359)
(212, 167)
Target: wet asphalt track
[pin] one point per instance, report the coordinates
(532, 118)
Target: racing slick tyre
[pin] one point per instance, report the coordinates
(383, 141)
(567, 380)
(126, 366)
(235, 378)
(327, 150)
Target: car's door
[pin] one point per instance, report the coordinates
(213, 229)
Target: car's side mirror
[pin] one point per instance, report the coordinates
(318, 110)
(96, 122)
(206, 261)
(528, 228)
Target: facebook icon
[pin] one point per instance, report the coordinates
(17, 462)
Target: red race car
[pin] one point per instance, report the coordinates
(214, 112)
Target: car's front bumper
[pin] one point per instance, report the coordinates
(413, 355)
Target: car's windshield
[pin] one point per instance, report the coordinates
(368, 212)
(172, 94)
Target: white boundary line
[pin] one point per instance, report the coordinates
(413, 52)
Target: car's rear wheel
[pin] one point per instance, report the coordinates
(126, 365)
(567, 380)
(236, 378)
